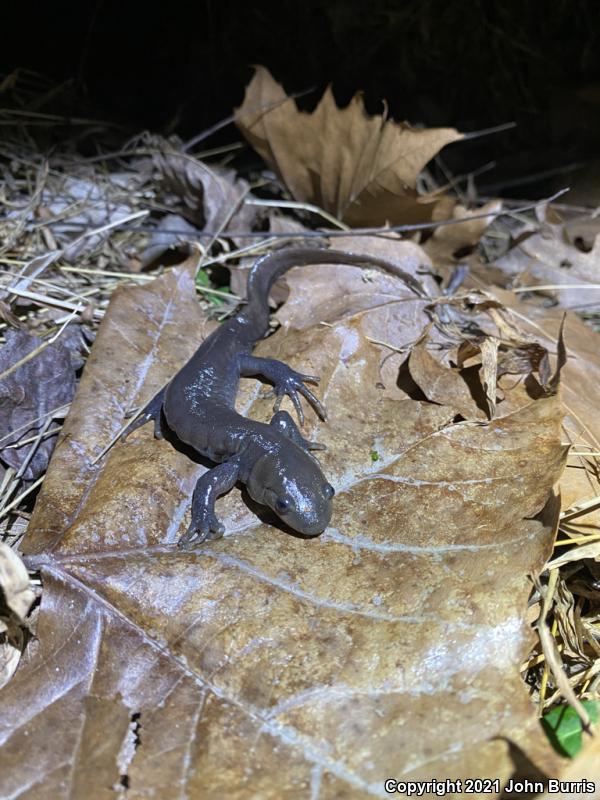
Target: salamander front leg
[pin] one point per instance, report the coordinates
(204, 524)
(286, 425)
(285, 380)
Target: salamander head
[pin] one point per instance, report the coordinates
(291, 483)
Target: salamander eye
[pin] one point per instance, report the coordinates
(328, 491)
(282, 504)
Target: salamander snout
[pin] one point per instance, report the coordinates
(295, 489)
(305, 508)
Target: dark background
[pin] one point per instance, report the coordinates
(182, 66)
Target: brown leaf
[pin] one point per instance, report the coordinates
(7, 315)
(39, 386)
(568, 618)
(548, 258)
(580, 776)
(323, 296)
(17, 596)
(580, 378)
(451, 243)
(388, 646)
(498, 357)
(318, 295)
(171, 232)
(489, 372)
(147, 340)
(442, 384)
(361, 169)
(212, 196)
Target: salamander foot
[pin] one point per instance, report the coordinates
(285, 380)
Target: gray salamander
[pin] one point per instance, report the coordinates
(273, 460)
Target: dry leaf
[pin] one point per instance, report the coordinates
(171, 232)
(78, 205)
(39, 386)
(322, 296)
(263, 664)
(568, 620)
(17, 596)
(14, 580)
(7, 315)
(342, 290)
(591, 550)
(579, 779)
(580, 378)
(548, 258)
(212, 196)
(362, 169)
(451, 243)
(442, 384)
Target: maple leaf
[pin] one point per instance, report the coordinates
(361, 168)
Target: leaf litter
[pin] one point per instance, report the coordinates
(384, 623)
(275, 640)
(555, 258)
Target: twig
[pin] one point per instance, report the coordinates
(547, 286)
(254, 201)
(24, 494)
(55, 412)
(15, 112)
(581, 509)
(505, 126)
(383, 232)
(118, 223)
(46, 300)
(200, 137)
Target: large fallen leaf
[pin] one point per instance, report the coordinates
(265, 665)
(362, 169)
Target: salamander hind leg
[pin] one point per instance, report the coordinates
(204, 524)
(285, 380)
(286, 425)
(151, 411)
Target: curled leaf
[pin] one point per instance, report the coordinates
(16, 598)
(212, 197)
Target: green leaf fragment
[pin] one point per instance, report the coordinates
(563, 727)
(203, 281)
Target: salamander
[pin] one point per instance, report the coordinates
(273, 460)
